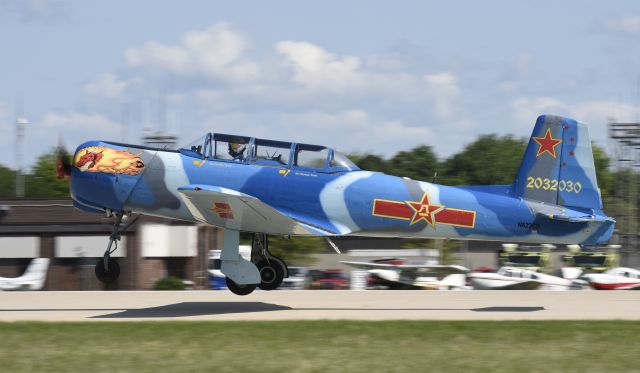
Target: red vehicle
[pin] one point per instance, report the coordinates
(330, 279)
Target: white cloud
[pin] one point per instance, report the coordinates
(79, 125)
(351, 130)
(627, 25)
(217, 53)
(595, 113)
(301, 91)
(526, 110)
(108, 85)
(316, 68)
(443, 90)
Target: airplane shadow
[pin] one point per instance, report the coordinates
(221, 308)
(184, 309)
(195, 309)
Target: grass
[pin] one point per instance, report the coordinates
(321, 346)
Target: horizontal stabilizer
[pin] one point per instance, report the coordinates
(561, 213)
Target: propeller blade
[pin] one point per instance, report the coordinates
(63, 165)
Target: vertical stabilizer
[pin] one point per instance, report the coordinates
(558, 167)
(36, 273)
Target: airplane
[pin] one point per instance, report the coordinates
(619, 278)
(269, 187)
(426, 276)
(32, 279)
(512, 278)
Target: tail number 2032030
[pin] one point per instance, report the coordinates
(553, 184)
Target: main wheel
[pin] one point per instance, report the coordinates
(272, 273)
(282, 264)
(107, 275)
(238, 289)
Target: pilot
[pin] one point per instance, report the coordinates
(197, 148)
(236, 151)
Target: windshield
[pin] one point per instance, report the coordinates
(341, 160)
(589, 261)
(522, 261)
(195, 145)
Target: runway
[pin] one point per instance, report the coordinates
(306, 305)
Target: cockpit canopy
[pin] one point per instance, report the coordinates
(250, 150)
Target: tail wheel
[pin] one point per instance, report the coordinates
(238, 289)
(272, 273)
(109, 274)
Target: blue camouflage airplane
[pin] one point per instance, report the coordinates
(272, 187)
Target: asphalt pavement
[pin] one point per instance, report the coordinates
(318, 304)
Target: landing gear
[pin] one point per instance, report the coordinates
(238, 289)
(272, 269)
(243, 276)
(272, 272)
(107, 273)
(107, 270)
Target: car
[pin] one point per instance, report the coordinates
(330, 279)
(297, 279)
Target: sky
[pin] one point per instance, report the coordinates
(360, 76)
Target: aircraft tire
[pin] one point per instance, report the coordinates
(283, 265)
(107, 276)
(239, 289)
(272, 273)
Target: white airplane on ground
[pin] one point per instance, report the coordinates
(511, 278)
(32, 279)
(428, 276)
(620, 278)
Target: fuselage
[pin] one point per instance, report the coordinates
(521, 279)
(352, 202)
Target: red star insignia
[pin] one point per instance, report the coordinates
(547, 144)
(424, 210)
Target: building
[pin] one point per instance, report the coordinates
(74, 240)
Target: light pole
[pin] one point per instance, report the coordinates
(21, 123)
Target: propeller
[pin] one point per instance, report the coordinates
(63, 164)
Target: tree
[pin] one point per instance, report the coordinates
(419, 163)
(605, 176)
(445, 248)
(293, 250)
(7, 182)
(489, 160)
(297, 250)
(370, 162)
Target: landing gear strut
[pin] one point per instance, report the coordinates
(107, 270)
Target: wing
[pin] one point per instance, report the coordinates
(524, 285)
(431, 268)
(231, 209)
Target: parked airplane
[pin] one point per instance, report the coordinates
(512, 278)
(427, 276)
(32, 279)
(620, 278)
(280, 188)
